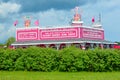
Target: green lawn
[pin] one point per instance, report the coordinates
(21, 75)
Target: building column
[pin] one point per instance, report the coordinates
(108, 46)
(92, 45)
(83, 46)
(57, 46)
(101, 46)
(97, 45)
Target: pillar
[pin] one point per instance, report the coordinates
(108, 46)
(83, 46)
(58, 46)
(101, 46)
(97, 45)
(92, 45)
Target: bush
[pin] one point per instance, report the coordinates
(67, 60)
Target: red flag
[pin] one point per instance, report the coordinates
(36, 23)
(15, 23)
(93, 20)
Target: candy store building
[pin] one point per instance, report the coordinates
(58, 37)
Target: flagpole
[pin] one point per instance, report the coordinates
(99, 17)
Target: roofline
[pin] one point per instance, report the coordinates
(54, 27)
(15, 44)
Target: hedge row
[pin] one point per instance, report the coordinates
(66, 60)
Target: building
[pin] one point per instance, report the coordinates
(76, 34)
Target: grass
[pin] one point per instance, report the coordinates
(22, 75)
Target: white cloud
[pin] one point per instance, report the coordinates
(48, 18)
(54, 17)
(2, 30)
(6, 33)
(6, 8)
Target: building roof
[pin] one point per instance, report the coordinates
(76, 40)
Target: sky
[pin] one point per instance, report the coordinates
(59, 12)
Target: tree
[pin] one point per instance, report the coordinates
(1, 45)
(10, 41)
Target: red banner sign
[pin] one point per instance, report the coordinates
(27, 34)
(92, 33)
(59, 33)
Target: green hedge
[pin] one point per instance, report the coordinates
(67, 60)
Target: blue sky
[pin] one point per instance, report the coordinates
(59, 12)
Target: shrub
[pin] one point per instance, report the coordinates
(68, 59)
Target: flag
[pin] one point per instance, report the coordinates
(93, 20)
(36, 23)
(15, 23)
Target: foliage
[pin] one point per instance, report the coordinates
(10, 41)
(1, 45)
(66, 60)
(117, 42)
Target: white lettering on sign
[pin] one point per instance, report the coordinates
(27, 35)
(59, 33)
(92, 33)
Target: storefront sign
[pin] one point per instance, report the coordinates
(59, 33)
(27, 34)
(92, 33)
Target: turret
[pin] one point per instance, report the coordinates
(76, 21)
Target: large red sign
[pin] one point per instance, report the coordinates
(27, 34)
(91, 33)
(59, 33)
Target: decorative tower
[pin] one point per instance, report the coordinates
(27, 21)
(76, 21)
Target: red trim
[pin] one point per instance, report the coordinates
(41, 45)
(116, 46)
(62, 45)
